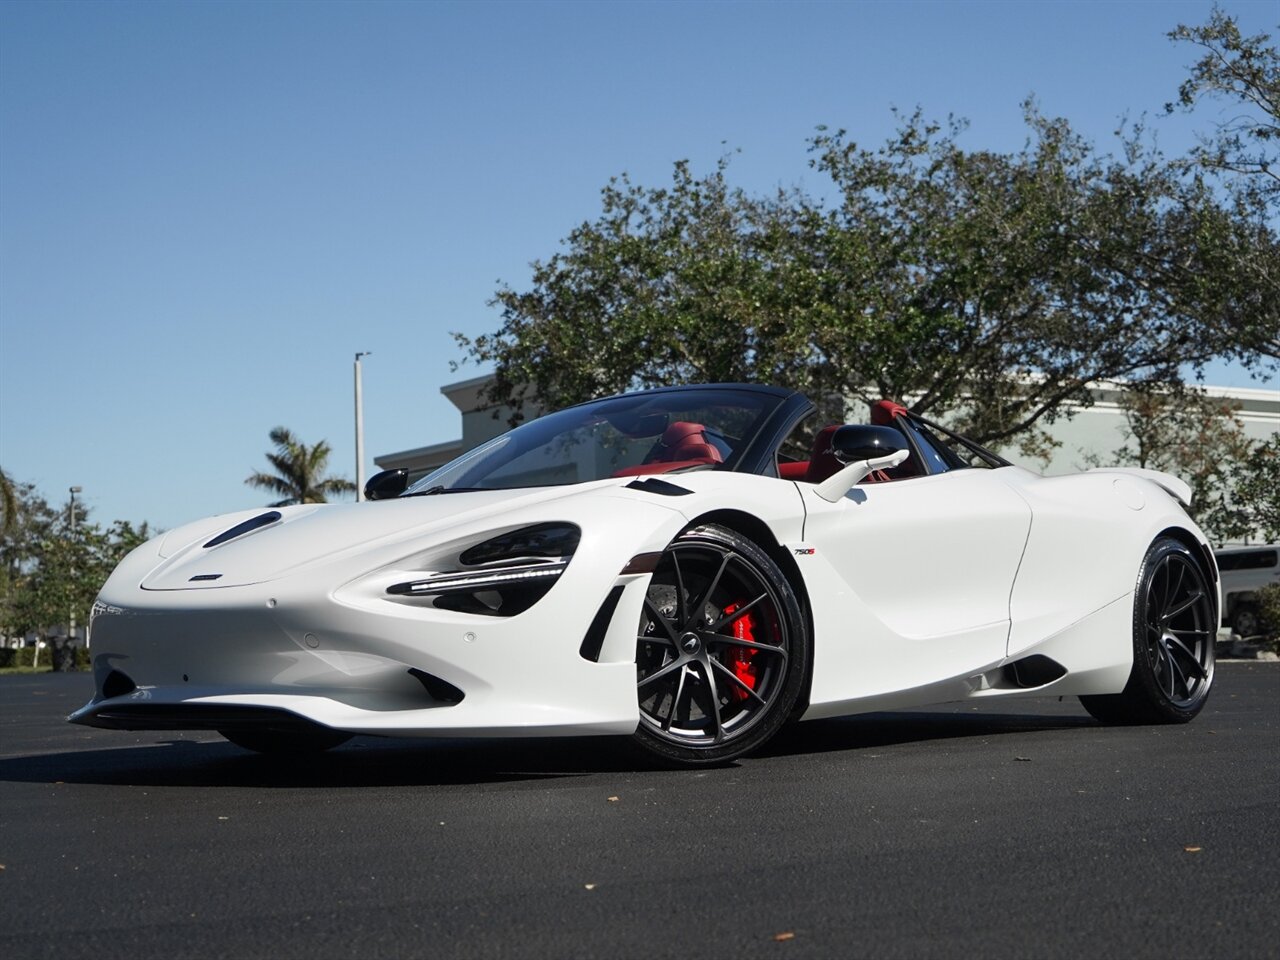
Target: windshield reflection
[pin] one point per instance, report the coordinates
(635, 435)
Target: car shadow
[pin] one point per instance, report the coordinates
(874, 730)
(375, 761)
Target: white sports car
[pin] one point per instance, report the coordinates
(666, 565)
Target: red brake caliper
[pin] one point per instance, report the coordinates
(742, 659)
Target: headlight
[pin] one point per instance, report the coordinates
(542, 541)
(502, 576)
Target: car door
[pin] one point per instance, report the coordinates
(924, 569)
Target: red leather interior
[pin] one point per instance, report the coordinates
(793, 470)
(883, 412)
(822, 462)
(684, 441)
(682, 444)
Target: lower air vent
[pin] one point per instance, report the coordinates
(441, 690)
(1034, 671)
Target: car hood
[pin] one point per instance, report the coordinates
(303, 535)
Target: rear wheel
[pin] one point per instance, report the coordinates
(1174, 629)
(286, 742)
(722, 649)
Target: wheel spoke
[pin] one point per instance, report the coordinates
(700, 604)
(1176, 674)
(659, 674)
(737, 679)
(1175, 585)
(1167, 661)
(1175, 646)
(675, 702)
(654, 638)
(682, 595)
(1184, 606)
(715, 700)
(1159, 591)
(729, 618)
(658, 618)
(749, 644)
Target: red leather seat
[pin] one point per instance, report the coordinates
(684, 441)
(682, 444)
(822, 462)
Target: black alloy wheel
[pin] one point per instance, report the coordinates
(283, 743)
(722, 650)
(1174, 630)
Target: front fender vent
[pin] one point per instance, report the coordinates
(594, 639)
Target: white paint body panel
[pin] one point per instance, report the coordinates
(918, 591)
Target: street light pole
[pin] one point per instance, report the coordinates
(360, 427)
(71, 630)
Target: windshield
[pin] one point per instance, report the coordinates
(645, 433)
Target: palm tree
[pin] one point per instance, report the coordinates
(299, 476)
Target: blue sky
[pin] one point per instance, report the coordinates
(207, 208)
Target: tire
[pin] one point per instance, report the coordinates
(1174, 629)
(282, 743)
(1244, 622)
(722, 650)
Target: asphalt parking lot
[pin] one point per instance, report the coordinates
(1012, 829)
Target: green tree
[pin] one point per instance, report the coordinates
(1242, 75)
(984, 288)
(8, 504)
(31, 522)
(52, 572)
(1192, 435)
(299, 472)
(1245, 72)
(1254, 494)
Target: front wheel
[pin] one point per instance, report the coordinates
(722, 650)
(1174, 629)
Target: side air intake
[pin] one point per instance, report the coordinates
(1036, 670)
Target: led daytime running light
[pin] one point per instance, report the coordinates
(448, 583)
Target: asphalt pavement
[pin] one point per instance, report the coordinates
(1011, 829)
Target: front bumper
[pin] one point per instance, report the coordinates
(348, 658)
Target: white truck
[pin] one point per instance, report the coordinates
(1246, 570)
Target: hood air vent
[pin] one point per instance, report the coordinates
(240, 529)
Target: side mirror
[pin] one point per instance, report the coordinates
(387, 485)
(861, 449)
(854, 442)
